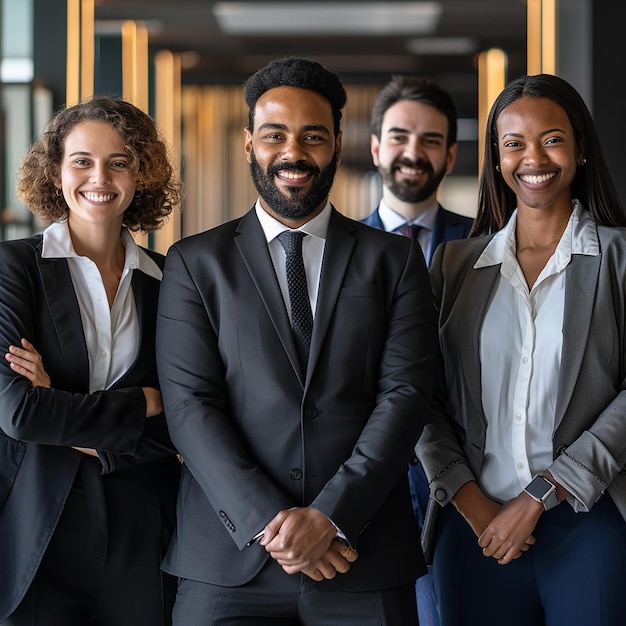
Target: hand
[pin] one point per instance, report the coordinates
(89, 451)
(509, 534)
(154, 401)
(299, 538)
(477, 509)
(28, 362)
(336, 560)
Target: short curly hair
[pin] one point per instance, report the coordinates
(296, 72)
(158, 190)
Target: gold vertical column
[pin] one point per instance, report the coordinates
(80, 51)
(492, 67)
(541, 37)
(168, 118)
(135, 64)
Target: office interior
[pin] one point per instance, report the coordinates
(184, 62)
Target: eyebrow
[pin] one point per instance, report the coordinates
(543, 133)
(307, 128)
(397, 129)
(85, 153)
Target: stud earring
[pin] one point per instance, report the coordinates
(497, 168)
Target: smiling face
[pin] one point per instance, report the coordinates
(538, 153)
(293, 153)
(412, 155)
(95, 175)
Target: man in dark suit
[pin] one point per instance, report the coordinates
(413, 144)
(294, 505)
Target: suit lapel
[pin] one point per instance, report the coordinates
(476, 292)
(64, 310)
(340, 242)
(251, 243)
(581, 280)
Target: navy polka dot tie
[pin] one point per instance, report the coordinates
(301, 317)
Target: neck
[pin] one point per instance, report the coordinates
(103, 245)
(408, 210)
(540, 229)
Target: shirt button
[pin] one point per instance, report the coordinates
(104, 355)
(518, 418)
(525, 360)
(521, 466)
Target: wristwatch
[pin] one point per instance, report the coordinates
(542, 490)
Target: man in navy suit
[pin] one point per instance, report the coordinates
(414, 146)
(294, 507)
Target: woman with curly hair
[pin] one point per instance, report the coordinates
(88, 474)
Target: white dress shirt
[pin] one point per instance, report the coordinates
(111, 334)
(520, 354)
(426, 220)
(312, 250)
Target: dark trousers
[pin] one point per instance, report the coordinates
(573, 576)
(274, 598)
(102, 566)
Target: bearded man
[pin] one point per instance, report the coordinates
(296, 352)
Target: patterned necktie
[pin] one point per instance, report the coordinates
(301, 317)
(410, 230)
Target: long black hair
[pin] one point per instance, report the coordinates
(592, 184)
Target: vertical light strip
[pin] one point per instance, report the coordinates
(548, 36)
(541, 37)
(72, 62)
(168, 117)
(129, 60)
(492, 68)
(87, 52)
(533, 37)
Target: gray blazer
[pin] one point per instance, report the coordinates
(589, 438)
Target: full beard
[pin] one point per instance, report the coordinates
(293, 206)
(410, 190)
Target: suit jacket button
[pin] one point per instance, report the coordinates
(295, 474)
(310, 412)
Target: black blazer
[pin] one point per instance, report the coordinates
(38, 425)
(257, 436)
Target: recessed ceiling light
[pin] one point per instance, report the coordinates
(327, 18)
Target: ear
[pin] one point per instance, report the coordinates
(247, 143)
(339, 145)
(451, 157)
(374, 149)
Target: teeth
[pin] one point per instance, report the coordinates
(293, 175)
(98, 197)
(409, 171)
(534, 180)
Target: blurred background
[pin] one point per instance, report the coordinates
(184, 62)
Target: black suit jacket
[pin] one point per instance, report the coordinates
(448, 227)
(257, 436)
(38, 425)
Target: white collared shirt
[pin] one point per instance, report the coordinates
(520, 354)
(392, 221)
(111, 334)
(312, 250)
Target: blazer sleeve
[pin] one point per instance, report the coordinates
(405, 377)
(192, 377)
(439, 449)
(107, 420)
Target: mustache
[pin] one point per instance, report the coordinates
(293, 166)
